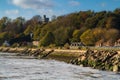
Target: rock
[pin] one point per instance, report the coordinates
(109, 55)
(103, 60)
(81, 65)
(46, 54)
(115, 68)
(83, 58)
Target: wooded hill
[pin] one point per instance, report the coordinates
(88, 27)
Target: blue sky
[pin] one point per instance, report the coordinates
(29, 8)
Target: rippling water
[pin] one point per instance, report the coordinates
(16, 68)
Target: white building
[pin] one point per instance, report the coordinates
(6, 43)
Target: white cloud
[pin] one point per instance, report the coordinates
(74, 3)
(12, 12)
(41, 7)
(33, 4)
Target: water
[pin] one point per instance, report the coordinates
(16, 68)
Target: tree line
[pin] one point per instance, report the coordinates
(88, 27)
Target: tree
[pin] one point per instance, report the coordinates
(28, 30)
(111, 22)
(3, 23)
(117, 11)
(3, 36)
(36, 19)
(53, 18)
(91, 22)
(62, 36)
(76, 36)
(98, 34)
(36, 33)
(102, 23)
(95, 20)
(88, 38)
(18, 24)
(43, 32)
(47, 39)
(108, 35)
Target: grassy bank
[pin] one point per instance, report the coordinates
(57, 54)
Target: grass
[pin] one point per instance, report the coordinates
(99, 48)
(61, 56)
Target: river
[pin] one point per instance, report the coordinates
(21, 68)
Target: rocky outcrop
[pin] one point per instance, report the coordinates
(103, 60)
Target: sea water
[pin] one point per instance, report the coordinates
(21, 68)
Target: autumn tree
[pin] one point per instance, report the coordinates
(62, 35)
(111, 34)
(28, 30)
(88, 38)
(3, 36)
(47, 39)
(36, 19)
(36, 33)
(18, 23)
(117, 11)
(76, 36)
(3, 23)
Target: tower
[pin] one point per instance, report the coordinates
(45, 19)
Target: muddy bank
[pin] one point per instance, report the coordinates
(98, 59)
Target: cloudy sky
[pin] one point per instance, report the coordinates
(29, 8)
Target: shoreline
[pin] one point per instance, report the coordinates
(108, 60)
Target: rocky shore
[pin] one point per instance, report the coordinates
(98, 59)
(103, 60)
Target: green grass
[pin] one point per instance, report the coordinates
(61, 57)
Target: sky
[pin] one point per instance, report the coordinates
(30, 8)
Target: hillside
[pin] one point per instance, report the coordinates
(89, 27)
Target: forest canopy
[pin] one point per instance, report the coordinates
(88, 27)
